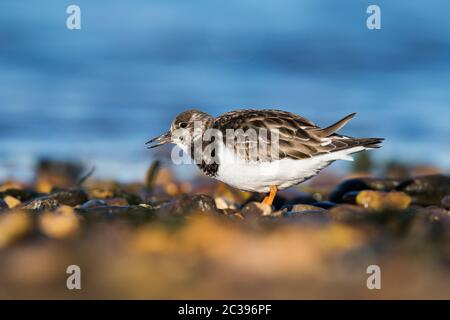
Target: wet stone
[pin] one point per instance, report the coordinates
(308, 216)
(256, 209)
(445, 202)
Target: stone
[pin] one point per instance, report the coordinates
(11, 201)
(302, 207)
(445, 202)
(14, 226)
(116, 202)
(348, 213)
(378, 200)
(187, 204)
(40, 204)
(256, 209)
(69, 197)
(3, 204)
(426, 190)
(324, 204)
(59, 224)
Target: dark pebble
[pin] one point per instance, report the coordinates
(324, 204)
(426, 190)
(363, 184)
(187, 204)
(3, 204)
(22, 195)
(69, 197)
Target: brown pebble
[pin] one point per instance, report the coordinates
(116, 202)
(347, 212)
(379, 200)
(305, 207)
(11, 201)
(60, 224)
(13, 226)
(256, 209)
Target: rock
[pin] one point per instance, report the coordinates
(116, 202)
(60, 224)
(20, 194)
(69, 197)
(11, 201)
(324, 204)
(3, 204)
(348, 213)
(13, 226)
(40, 204)
(350, 197)
(92, 204)
(308, 216)
(363, 184)
(222, 203)
(445, 202)
(186, 204)
(378, 200)
(301, 207)
(426, 190)
(256, 209)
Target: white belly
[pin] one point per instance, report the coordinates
(258, 177)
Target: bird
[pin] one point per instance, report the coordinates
(294, 148)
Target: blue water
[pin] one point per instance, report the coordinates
(97, 94)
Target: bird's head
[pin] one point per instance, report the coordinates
(186, 128)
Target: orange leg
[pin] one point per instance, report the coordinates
(269, 199)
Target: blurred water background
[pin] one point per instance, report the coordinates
(97, 94)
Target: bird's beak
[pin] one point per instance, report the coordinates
(162, 139)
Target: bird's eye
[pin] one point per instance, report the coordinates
(183, 125)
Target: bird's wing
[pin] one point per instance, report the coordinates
(298, 138)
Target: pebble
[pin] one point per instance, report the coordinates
(302, 207)
(324, 204)
(40, 204)
(222, 203)
(13, 226)
(60, 224)
(426, 190)
(378, 200)
(69, 197)
(256, 209)
(11, 201)
(116, 202)
(3, 204)
(187, 204)
(348, 213)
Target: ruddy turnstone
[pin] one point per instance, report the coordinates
(294, 148)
